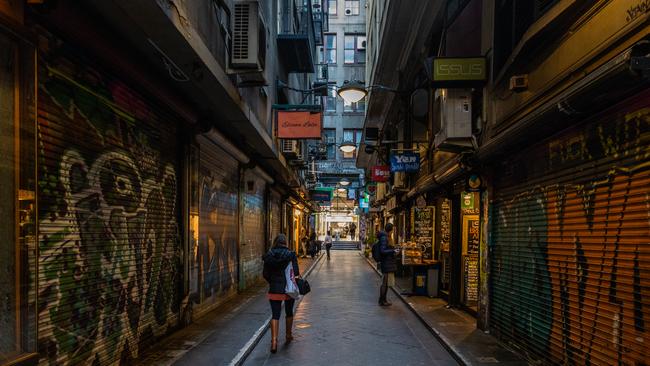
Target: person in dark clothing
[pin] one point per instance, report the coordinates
(388, 263)
(312, 245)
(353, 230)
(275, 263)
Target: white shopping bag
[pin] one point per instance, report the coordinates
(291, 288)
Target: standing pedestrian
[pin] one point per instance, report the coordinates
(312, 246)
(388, 263)
(353, 230)
(328, 244)
(303, 242)
(275, 263)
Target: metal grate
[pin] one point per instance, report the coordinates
(241, 31)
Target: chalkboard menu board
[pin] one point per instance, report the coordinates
(471, 242)
(445, 225)
(423, 230)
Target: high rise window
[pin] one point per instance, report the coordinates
(352, 135)
(328, 51)
(355, 49)
(352, 7)
(329, 138)
(330, 99)
(332, 7)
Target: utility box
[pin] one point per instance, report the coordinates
(454, 116)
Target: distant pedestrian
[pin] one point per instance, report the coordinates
(303, 242)
(353, 230)
(312, 246)
(328, 244)
(388, 263)
(275, 264)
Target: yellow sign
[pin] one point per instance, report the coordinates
(459, 69)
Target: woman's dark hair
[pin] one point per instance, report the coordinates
(388, 227)
(280, 241)
(312, 236)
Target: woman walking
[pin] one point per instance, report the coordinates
(275, 263)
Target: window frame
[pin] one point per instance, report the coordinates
(331, 99)
(355, 50)
(324, 49)
(330, 7)
(331, 146)
(349, 6)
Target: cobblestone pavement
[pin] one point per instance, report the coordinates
(340, 323)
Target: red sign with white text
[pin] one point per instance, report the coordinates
(380, 173)
(299, 125)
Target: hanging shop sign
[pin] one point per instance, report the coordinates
(299, 124)
(371, 189)
(380, 173)
(423, 229)
(448, 72)
(473, 183)
(467, 201)
(321, 195)
(408, 162)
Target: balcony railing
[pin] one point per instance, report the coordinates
(301, 33)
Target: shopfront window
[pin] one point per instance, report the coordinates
(17, 203)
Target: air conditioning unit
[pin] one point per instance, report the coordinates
(291, 148)
(361, 43)
(454, 115)
(248, 50)
(399, 180)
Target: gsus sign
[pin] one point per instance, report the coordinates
(408, 162)
(459, 69)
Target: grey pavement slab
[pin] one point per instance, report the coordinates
(340, 323)
(217, 337)
(458, 330)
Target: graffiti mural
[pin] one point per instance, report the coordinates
(570, 257)
(253, 221)
(110, 256)
(213, 275)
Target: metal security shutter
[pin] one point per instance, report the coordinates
(109, 242)
(570, 250)
(253, 224)
(213, 270)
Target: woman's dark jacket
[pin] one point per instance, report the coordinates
(275, 262)
(388, 260)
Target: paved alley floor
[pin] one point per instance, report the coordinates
(340, 323)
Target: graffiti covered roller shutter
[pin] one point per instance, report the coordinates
(110, 255)
(213, 276)
(253, 220)
(570, 260)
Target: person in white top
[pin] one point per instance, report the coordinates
(328, 244)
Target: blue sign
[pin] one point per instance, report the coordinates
(408, 162)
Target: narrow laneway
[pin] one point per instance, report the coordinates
(340, 323)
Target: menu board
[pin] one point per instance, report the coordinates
(423, 230)
(445, 225)
(471, 242)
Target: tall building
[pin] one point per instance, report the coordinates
(341, 58)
